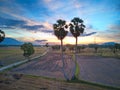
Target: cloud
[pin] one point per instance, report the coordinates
(112, 32)
(30, 26)
(12, 24)
(88, 34)
(44, 40)
(34, 27)
(89, 27)
(114, 27)
(82, 35)
(6, 27)
(47, 31)
(53, 4)
(38, 42)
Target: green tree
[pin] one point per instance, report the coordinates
(116, 47)
(47, 45)
(60, 32)
(76, 28)
(2, 35)
(28, 49)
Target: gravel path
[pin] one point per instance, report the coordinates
(49, 65)
(101, 70)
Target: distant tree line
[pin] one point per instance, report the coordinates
(115, 48)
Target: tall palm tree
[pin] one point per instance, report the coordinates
(76, 28)
(60, 32)
(2, 35)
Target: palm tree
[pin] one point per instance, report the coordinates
(76, 28)
(2, 35)
(60, 32)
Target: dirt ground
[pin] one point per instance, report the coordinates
(92, 68)
(49, 65)
(100, 70)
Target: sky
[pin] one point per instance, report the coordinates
(32, 20)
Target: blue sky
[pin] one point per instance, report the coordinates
(32, 20)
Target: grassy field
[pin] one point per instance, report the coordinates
(29, 82)
(104, 52)
(9, 55)
(101, 52)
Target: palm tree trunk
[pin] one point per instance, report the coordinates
(75, 58)
(65, 75)
(76, 49)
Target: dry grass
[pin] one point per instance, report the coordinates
(104, 52)
(39, 83)
(9, 55)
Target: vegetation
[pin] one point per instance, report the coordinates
(2, 35)
(12, 54)
(60, 32)
(28, 49)
(31, 82)
(77, 69)
(76, 28)
(56, 47)
(116, 47)
(46, 44)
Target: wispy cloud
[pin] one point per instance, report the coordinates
(53, 4)
(88, 34)
(114, 27)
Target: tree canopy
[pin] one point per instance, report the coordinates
(2, 35)
(59, 29)
(28, 49)
(76, 26)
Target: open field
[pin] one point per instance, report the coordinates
(104, 52)
(92, 68)
(9, 55)
(28, 82)
(49, 65)
(100, 70)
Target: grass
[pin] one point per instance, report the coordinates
(77, 71)
(104, 52)
(31, 82)
(48, 78)
(77, 68)
(9, 55)
(95, 84)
